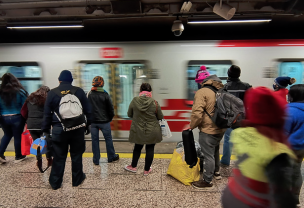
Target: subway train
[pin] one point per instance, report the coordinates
(170, 67)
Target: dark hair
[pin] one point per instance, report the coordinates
(145, 87)
(10, 86)
(39, 96)
(296, 93)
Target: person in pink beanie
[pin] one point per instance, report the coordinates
(201, 74)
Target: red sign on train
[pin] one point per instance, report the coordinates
(111, 53)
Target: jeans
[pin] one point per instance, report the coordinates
(61, 140)
(227, 148)
(149, 155)
(210, 148)
(106, 131)
(12, 127)
(297, 179)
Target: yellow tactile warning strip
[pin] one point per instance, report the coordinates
(121, 155)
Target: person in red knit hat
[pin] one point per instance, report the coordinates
(262, 177)
(280, 84)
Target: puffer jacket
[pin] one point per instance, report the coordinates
(236, 87)
(145, 127)
(205, 99)
(35, 116)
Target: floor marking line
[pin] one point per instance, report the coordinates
(121, 155)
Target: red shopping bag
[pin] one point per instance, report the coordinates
(26, 142)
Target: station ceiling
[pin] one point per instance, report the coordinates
(142, 19)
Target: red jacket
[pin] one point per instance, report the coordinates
(283, 92)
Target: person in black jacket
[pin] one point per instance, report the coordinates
(32, 110)
(102, 115)
(236, 87)
(62, 140)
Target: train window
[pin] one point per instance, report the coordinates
(122, 81)
(89, 71)
(217, 67)
(292, 69)
(28, 73)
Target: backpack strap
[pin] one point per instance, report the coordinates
(214, 89)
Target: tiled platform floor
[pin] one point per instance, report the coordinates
(107, 185)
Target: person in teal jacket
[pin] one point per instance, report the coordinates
(294, 128)
(12, 97)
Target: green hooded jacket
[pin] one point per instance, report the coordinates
(145, 127)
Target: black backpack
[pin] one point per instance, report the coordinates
(228, 110)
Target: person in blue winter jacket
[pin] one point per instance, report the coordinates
(294, 128)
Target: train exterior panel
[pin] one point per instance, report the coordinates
(169, 66)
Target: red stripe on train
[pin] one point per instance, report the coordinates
(261, 43)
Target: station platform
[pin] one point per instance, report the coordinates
(106, 185)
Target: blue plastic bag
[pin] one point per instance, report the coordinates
(41, 142)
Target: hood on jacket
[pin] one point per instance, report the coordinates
(213, 80)
(297, 105)
(143, 102)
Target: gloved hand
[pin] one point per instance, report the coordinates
(87, 129)
(47, 135)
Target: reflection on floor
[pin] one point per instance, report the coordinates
(107, 185)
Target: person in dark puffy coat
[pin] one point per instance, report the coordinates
(145, 129)
(32, 110)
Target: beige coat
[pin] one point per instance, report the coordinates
(205, 99)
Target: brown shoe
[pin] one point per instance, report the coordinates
(201, 184)
(49, 162)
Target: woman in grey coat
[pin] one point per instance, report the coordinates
(145, 130)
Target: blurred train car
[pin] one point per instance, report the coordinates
(169, 66)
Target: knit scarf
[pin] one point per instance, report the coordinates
(98, 89)
(145, 93)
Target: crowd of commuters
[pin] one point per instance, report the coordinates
(269, 144)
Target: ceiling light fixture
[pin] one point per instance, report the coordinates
(45, 27)
(224, 10)
(186, 6)
(228, 22)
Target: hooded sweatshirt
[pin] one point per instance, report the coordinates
(294, 125)
(204, 99)
(145, 127)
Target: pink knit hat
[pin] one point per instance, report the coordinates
(201, 74)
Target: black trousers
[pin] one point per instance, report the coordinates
(149, 155)
(37, 134)
(61, 141)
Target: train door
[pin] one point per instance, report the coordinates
(122, 82)
(28, 73)
(217, 67)
(292, 69)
